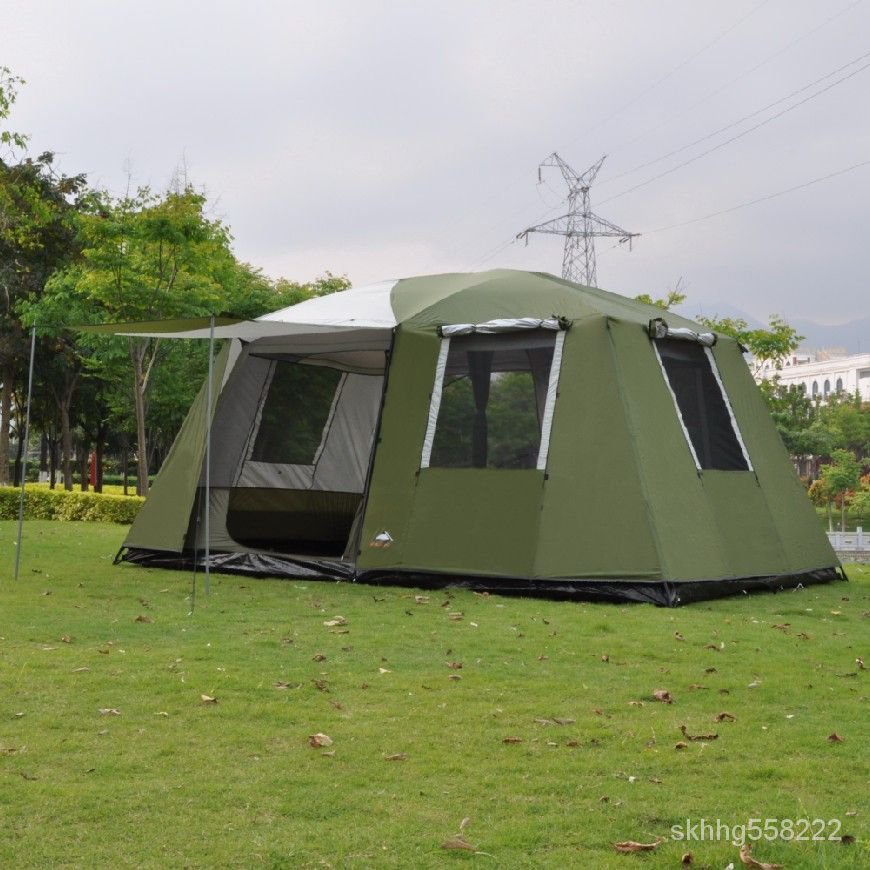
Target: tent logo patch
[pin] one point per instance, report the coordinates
(382, 540)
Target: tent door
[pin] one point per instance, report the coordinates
(301, 474)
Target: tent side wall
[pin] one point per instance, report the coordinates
(712, 524)
(163, 521)
(594, 521)
(802, 542)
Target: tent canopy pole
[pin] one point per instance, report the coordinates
(208, 411)
(24, 452)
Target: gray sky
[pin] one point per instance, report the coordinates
(386, 139)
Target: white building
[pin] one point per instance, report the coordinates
(822, 374)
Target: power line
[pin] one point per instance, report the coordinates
(677, 68)
(716, 91)
(759, 199)
(746, 132)
(739, 120)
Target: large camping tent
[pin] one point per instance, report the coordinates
(508, 430)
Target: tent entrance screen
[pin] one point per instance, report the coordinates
(300, 481)
(492, 402)
(702, 405)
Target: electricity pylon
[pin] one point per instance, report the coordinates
(580, 225)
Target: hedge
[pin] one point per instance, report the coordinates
(58, 504)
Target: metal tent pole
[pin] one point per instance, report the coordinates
(208, 451)
(24, 453)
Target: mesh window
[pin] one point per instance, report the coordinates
(701, 405)
(295, 413)
(492, 401)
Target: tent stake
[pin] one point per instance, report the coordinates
(24, 452)
(208, 450)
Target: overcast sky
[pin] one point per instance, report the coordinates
(388, 139)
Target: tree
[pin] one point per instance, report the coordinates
(773, 344)
(145, 257)
(674, 296)
(840, 476)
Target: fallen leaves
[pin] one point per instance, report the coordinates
(208, 699)
(397, 756)
(319, 657)
(109, 711)
(835, 738)
(319, 740)
(685, 732)
(512, 740)
(458, 842)
(556, 720)
(724, 716)
(663, 695)
(629, 846)
(335, 622)
(143, 618)
(747, 859)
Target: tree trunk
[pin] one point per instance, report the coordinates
(830, 518)
(137, 355)
(98, 459)
(19, 457)
(43, 452)
(84, 465)
(5, 413)
(52, 463)
(125, 462)
(66, 446)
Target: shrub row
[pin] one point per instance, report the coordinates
(58, 504)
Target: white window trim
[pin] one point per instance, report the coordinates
(715, 369)
(550, 403)
(435, 403)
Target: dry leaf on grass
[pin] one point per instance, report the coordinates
(454, 677)
(680, 744)
(454, 665)
(724, 716)
(635, 703)
(421, 599)
(835, 738)
(687, 859)
(629, 846)
(747, 859)
(678, 636)
(335, 621)
(208, 699)
(512, 740)
(316, 741)
(663, 695)
(143, 618)
(685, 733)
(80, 670)
(318, 657)
(109, 711)
(68, 639)
(456, 616)
(398, 756)
(458, 842)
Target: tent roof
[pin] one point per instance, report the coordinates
(430, 300)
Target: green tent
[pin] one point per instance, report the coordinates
(506, 430)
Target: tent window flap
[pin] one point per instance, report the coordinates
(702, 405)
(492, 396)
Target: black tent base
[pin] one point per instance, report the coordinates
(663, 593)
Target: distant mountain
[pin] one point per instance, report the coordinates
(853, 337)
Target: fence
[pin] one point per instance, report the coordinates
(852, 546)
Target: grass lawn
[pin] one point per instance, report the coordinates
(419, 697)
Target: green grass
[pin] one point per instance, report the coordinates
(236, 784)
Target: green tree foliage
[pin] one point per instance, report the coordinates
(840, 476)
(149, 256)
